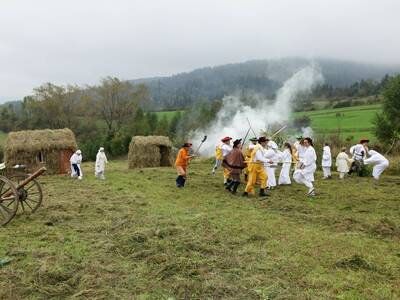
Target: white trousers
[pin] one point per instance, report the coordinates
(379, 168)
(327, 171)
(271, 181)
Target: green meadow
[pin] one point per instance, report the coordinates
(356, 121)
(136, 236)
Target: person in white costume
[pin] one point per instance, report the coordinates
(286, 159)
(307, 166)
(76, 160)
(272, 155)
(379, 162)
(100, 166)
(342, 163)
(326, 161)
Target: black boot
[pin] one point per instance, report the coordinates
(180, 181)
(245, 194)
(235, 187)
(263, 193)
(229, 186)
(183, 181)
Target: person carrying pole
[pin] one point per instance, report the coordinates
(256, 169)
(247, 155)
(181, 164)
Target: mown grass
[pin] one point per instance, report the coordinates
(135, 236)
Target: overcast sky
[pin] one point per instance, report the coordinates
(80, 41)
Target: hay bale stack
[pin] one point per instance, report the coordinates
(150, 151)
(36, 148)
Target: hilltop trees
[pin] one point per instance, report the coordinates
(388, 121)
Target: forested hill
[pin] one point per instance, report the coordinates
(260, 76)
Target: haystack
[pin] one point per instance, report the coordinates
(150, 151)
(37, 148)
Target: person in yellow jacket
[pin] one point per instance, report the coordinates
(256, 168)
(247, 155)
(218, 158)
(226, 148)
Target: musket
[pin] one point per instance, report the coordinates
(280, 130)
(251, 127)
(245, 137)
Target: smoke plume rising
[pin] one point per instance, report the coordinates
(232, 121)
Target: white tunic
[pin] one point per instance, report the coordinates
(308, 161)
(270, 167)
(379, 162)
(326, 157)
(358, 152)
(342, 162)
(286, 159)
(101, 160)
(76, 160)
(225, 149)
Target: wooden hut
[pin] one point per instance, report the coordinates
(37, 148)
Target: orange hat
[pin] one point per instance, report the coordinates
(225, 139)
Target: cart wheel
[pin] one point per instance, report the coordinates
(31, 195)
(9, 199)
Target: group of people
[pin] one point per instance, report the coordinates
(262, 156)
(100, 165)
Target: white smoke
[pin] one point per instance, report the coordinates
(232, 118)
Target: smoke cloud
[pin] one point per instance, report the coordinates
(232, 118)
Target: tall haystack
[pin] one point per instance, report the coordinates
(37, 148)
(150, 151)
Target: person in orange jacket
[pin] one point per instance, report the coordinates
(181, 164)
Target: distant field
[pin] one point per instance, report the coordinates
(352, 121)
(168, 114)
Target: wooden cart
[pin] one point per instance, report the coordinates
(19, 190)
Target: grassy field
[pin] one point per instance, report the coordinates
(168, 114)
(352, 121)
(135, 236)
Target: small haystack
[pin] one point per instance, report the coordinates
(37, 148)
(150, 151)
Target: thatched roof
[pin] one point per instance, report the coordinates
(151, 140)
(36, 140)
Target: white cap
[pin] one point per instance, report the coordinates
(101, 149)
(78, 152)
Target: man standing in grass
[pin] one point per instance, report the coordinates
(326, 162)
(235, 162)
(181, 164)
(256, 169)
(247, 155)
(307, 166)
(226, 148)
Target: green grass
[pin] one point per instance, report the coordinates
(168, 114)
(135, 236)
(354, 121)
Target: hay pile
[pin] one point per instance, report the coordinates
(150, 151)
(23, 147)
